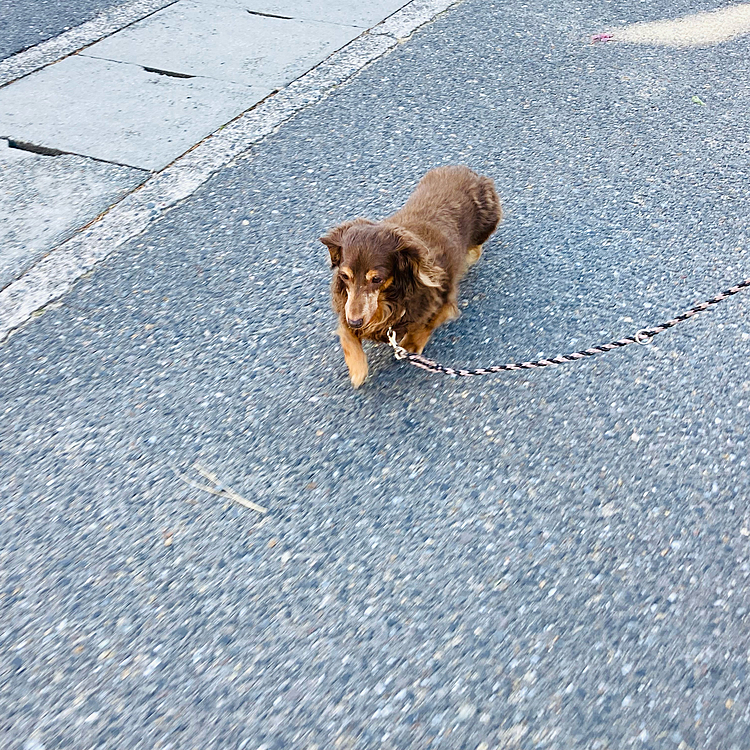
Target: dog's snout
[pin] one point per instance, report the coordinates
(355, 323)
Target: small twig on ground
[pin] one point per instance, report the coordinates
(228, 491)
(223, 490)
(193, 484)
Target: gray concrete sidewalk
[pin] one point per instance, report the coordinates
(132, 103)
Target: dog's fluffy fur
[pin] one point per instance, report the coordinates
(403, 272)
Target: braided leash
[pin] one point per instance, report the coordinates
(643, 336)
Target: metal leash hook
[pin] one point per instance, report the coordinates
(643, 337)
(398, 351)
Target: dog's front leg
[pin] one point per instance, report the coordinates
(416, 340)
(354, 355)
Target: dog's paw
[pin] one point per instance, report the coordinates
(358, 373)
(415, 343)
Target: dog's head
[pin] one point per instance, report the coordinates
(376, 264)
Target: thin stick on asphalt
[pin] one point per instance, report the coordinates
(225, 491)
(193, 484)
(228, 491)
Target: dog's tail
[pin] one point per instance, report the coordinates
(489, 210)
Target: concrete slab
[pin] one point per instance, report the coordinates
(227, 44)
(362, 13)
(45, 199)
(117, 112)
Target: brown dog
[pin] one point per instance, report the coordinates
(403, 272)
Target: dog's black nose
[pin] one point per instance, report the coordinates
(355, 323)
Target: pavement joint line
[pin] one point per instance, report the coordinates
(53, 50)
(53, 152)
(54, 275)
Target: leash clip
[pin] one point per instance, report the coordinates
(398, 351)
(643, 337)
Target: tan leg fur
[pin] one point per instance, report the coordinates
(472, 255)
(354, 355)
(416, 341)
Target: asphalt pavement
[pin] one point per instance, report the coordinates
(548, 559)
(28, 22)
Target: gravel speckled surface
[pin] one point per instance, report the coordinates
(553, 559)
(28, 22)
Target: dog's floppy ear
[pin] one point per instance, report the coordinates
(413, 260)
(334, 239)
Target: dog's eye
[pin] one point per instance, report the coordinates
(376, 280)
